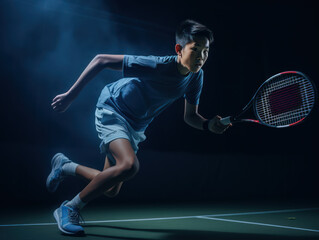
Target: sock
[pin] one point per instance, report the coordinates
(76, 203)
(69, 168)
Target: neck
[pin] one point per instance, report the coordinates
(181, 69)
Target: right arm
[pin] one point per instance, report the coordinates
(61, 102)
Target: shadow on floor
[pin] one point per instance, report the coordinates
(178, 234)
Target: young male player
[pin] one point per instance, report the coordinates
(124, 110)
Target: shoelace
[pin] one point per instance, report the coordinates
(75, 217)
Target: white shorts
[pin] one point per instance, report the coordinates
(111, 126)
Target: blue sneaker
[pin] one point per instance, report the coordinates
(68, 220)
(56, 174)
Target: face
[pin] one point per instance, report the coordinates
(194, 54)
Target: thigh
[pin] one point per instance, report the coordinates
(121, 149)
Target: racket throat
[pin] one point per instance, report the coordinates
(249, 120)
(231, 119)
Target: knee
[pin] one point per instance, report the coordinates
(129, 167)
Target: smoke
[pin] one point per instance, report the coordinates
(48, 43)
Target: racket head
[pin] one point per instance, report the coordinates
(285, 99)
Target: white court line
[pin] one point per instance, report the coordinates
(27, 224)
(167, 218)
(263, 212)
(260, 224)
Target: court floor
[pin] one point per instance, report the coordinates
(237, 220)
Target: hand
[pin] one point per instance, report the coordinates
(216, 126)
(61, 102)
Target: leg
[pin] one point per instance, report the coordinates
(67, 215)
(86, 172)
(90, 173)
(113, 191)
(126, 167)
(58, 173)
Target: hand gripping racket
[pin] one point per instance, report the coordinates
(283, 100)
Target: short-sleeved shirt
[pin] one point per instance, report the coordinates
(149, 85)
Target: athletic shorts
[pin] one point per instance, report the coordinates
(110, 126)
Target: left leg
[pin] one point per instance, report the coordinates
(90, 173)
(126, 167)
(68, 214)
(62, 167)
(86, 173)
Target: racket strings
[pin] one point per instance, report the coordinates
(282, 117)
(285, 100)
(295, 112)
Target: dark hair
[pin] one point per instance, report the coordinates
(188, 29)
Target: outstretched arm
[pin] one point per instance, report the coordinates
(194, 119)
(61, 102)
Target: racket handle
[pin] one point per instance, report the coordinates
(226, 120)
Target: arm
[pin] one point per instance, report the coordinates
(195, 120)
(61, 102)
(98, 63)
(192, 117)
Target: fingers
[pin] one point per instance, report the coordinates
(55, 98)
(57, 105)
(57, 108)
(217, 127)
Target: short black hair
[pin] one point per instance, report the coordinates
(188, 29)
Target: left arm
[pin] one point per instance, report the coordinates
(192, 117)
(195, 120)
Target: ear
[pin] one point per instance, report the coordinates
(178, 49)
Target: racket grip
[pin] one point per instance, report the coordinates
(226, 120)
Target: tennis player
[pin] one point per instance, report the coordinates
(124, 110)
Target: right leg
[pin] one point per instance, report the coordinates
(126, 167)
(86, 172)
(90, 173)
(67, 215)
(62, 166)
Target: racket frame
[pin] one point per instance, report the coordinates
(236, 118)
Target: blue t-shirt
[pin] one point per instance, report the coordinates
(149, 86)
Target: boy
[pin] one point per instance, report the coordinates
(124, 110)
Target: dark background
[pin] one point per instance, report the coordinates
(46, 44)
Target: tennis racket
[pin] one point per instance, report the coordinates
(283, 100)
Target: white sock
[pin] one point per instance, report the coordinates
(69, 168)
(76, 203)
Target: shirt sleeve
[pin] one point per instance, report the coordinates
(139, 66)
(194, 89)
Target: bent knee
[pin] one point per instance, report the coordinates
(129, 167)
